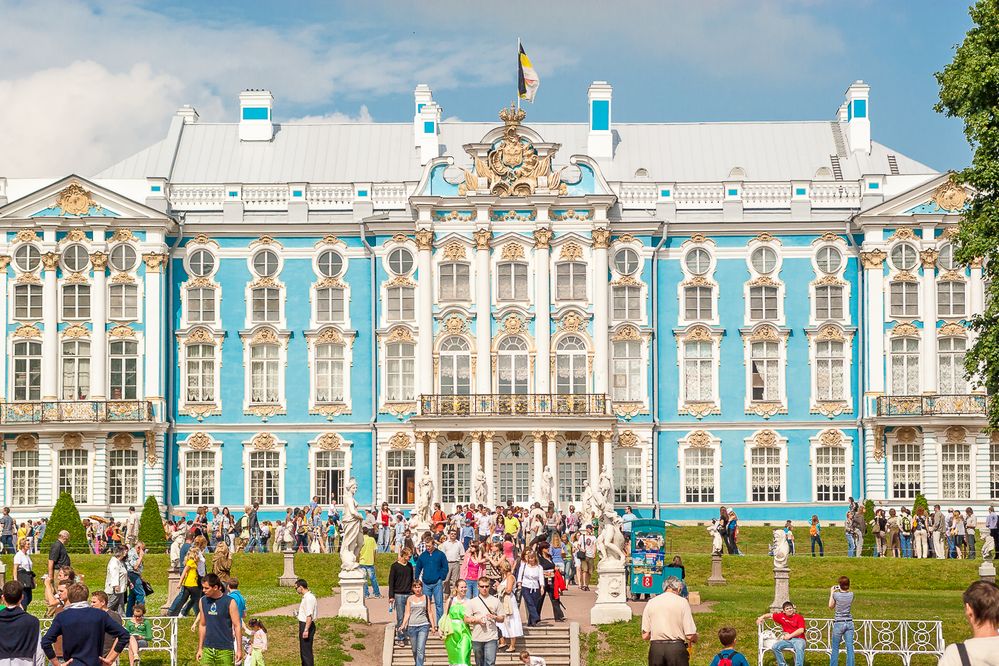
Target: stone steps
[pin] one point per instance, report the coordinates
(553, 643)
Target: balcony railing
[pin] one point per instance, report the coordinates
(932, 405)
(77, 411)
(519, 404)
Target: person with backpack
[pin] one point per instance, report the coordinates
(981, 608)
(815, 534)
(905, 532)
(728, 656)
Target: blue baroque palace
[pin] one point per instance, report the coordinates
(766, 315)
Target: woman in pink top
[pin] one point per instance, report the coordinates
(508, 548)
(471, 568)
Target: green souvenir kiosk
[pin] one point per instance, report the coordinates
(648, 557)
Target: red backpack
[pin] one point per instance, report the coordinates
(725, 658)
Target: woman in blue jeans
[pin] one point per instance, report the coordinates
(841, 600)
(418, 623)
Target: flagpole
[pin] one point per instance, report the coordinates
(517, 97)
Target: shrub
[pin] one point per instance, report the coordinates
(151, 526)
(65, 516)
(920, 501)
(869, 541)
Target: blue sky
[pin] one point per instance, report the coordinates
(110, 73)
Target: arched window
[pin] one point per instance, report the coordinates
(27, 370)
(952, 380)
(266, 304)
(455, 367)
(905, 366)
(570, 281)
(329, 373)
(698, 369)
(456, 475)
(124, 370)
(454, 281)
(513, 366)
(511, 281)
(829, 370)
(400, 369)
(570, 365)
(124, 302)
(330, 304)
(626, 374)
(513, 472)
(765, 360)
(75, 370)
(264, 374)
(906, 471)
(401, 303)
(200, 373)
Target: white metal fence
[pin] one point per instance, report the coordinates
(164, 636)
(902, 638)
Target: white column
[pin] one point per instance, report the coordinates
(594, 459)
(476, 460)
(608, 461)
(601, 317)
(928, 301)
(153, 326)
(552, 461)
(4, 262)
(488, 446)
(483, 314)
(538, 464)
(875, 295)
(421, 457)
(981, 469)
(50, 336)
(99, 316)
(976, 297)
(154, 465)
(47, 490)
(542, 311)
(434, 465)
(931, 466)
(99, 479)
(874, 485)
(424, 313)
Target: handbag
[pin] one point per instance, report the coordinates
(147, 588)
(768, 639)
(26, 579)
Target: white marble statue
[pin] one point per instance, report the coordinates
(586, 506)
(715, 530)
(611, 543)
(351, 538)
(424, 501)
(547, 490)
(781, 549)
(606, 487)
(481, 488)
(988, 543)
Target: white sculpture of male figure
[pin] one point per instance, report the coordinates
(781, 549)
(716, 537)
(350, 525)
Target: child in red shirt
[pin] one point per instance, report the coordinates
(792, 624)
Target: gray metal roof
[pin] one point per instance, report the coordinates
(385, 152)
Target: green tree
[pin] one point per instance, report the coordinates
(920, 501)
(868, 530)
(151, 526)
(969, 90)
(65, 516)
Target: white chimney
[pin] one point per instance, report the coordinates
(421, 97)
(600, 140)
(255, 123)
(188, 113)
(858, 117)
(841, 112)
(429, 138)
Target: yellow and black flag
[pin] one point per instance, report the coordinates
(528, 81)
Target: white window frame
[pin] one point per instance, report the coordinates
(714, 446)
(624, 475)
(346, 448)
(704, 279)
(87, 470)
(525, 460)
(846, 443)
(577, 269)
(401, 468)
(455, 359)
(953, 287)
(685, 315)
(971, 470)
(392, 317)
(571, 484)
(770, 279)
(509, 357)
(960, 385)
(138, 368)
(587, 355)
(781, 343)
(638, 392)
(215, 449)
(460, 465)
(906, 286)
(830, 334)
(281, 342)
(14, 342)
(764, 298)
(844, 298)
(77, 360)
(137, 468)
(125, 288)
(386, 377)
(31, 479)
(187, 301)
(33, 293)
(515, 264)
(917, 445)
(455, 281)
(910, 356)
(682, 400)
(334, 336)
(281, 450)
(780, 444)
(64, 302)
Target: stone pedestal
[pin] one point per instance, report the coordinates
(987, 571)
(173, 589)
(716, 571)
(782, 591)
(612, 595)
(352, 595)
(288, 577)
(3, 573)
(418, 529)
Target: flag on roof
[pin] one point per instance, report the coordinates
(528, 81)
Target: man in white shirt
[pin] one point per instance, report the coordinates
(668, 625)
(626, 520)
(586, 544)
(306, 622)
(483, 612)
(454, 551)
(116, 580)
(981, 608)
(970, 525)
(131, 528)
(484, 523)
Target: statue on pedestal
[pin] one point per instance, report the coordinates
(352, 538)
(586, 506)
(606, 486)
(611, 544)
(715, 530)
(547, 491)
(424, 501)
(781, 549)
(481, 488)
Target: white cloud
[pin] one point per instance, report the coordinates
(363, 116)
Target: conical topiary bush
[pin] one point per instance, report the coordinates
(151, 527)
(65, 516)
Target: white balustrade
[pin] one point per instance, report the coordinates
(835, 194)
(638, 195)
(197, 197)
(699, 195)
(766, 195)
(330, 197)
(389, 195)
(902, 639)
(265, 197)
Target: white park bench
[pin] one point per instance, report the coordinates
(904, 639)
(164, 637)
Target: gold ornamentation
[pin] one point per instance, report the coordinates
(763, 281)
(200, 336)
(76, 235)
(902, 233)
(482, 239)
(400, 334)
(953, 329)
(698, 281)
(265, 336)
(904, 276)
(904, 328)
(122, 278)
(99, 260)
(400, 441)
(264, 240)
(152, 456)
(699, 333)
(950, 196)
(512, 167)
(765, 333)
(4, 261)
(328, 441)
(906, 435)
(75, 200)
(601, 239)
(513, 325)
(76, 331)
(329, 239)
(828, 237)
(765, 439)
(264, 441)
(542, 238)
(26, 442)
(401, 281)
(829, 333)
(400, 409)
(873, 258)
(75, 278)
(28, 278)
(329, 336)
(400, 238)
(573, 214)
(330, 411)
(699, 439)
(929, 257)
(26, 236)
(201, 412)
(831, 437)
(627, 332)
(628, 410)
(424, 239)
(50, 260)
(626, 281)
(455, 325)
(27, 331)
(268, 281)
(154, 261)
(766, 238)
(700, 409)
(512, 252)
(199, 441)
(950, 233)
(509, 216)
(265, 412)
(121, 441)
(952, 276)
(572, 322)
(122, 234)
(571, 252)
(200, 283)
(627, 439)
(454, 251)
(829, 280)
(766, 409)
(831, 408)
(452, 216)
(698, 238)
(72, 440)
(121, 331)
(956, 434)
(203, 239)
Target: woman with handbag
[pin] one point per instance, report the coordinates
(512, 626)
(23, 572)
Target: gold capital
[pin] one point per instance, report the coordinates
(154, 261)
(482, 239)
(929, 258)
(873, 258)
(425, 239)
(542, 237)
(99, 260)
(601, 239)
(4, 261)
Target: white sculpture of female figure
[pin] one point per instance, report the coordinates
(481, 488)
(715, 530)
(424, 499)
(606, 486)
(350, 525)
(547, 487)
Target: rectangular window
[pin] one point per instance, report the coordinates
(400, 371)
(515, 481)
(200, 373)
(123, 476)
(456, 482)
(76, 301)
(124, 302)
(762, 303)
(698, 369)
(264, 377)
(28, 301)
(512, 281)
(628, 472)
(330, 470)
(124, 362)
(401, 304)
(699, 470)
(329, 373)
(265, 477)
(627, 303)
(906, 471)
(828, 302)
(199, 478)
(266, 304)
(201, 305)
(905, 366)
(400, 469)
(764, 473)
(627, 371)
(952, 379)
(27, 371)
(73, 474)
(994, 470)
(570, 281)
(697, 303)
(454, 282)
(955, 471)
(765, 378)
(950, 299)
(572, 478)
(330, 305)
(829, 370)
(904, 299)
(24, 478)
(75, 370)
(830, 474)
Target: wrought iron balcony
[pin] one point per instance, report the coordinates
(516, 404)
(932, 405)
(76, 411)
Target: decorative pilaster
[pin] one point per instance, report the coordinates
(99, 482)
(601, 315)
(487, 443)
(50, 332)
(434, 464)
(542, 309)
(153, 468)
(608, 460)
(99, 315)
(875, 288)
(931, 464)
(874, 486)
(551, 460)
(594, 459)
(476, 461)
(4, 262)
(483, 314)
(928, 300)
(421, 455)
(538, 464)
(424, 313)
(154, 297)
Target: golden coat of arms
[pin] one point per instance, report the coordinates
(950, 196)
(512, 167)
(75, 200)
